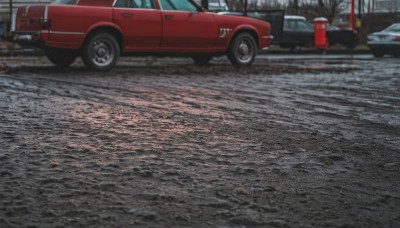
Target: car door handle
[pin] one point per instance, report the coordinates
(127, 14)
(169, 16)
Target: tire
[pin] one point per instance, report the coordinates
(352, 44)
(242, 50)
(60, 57)
(377, 54)
(201, 60)
(101, 51)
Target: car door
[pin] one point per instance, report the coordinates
(141, 24)
(286, 39)
(185, 28)
(304, 33)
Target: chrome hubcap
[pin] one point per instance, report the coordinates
(245, 51)
(102, 52)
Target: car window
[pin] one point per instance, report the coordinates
(67, 2)
(180, 5)
(143, 4)
(124, 4)
(288, 25)
(393, 28)
(302, 25)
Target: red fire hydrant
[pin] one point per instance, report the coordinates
(320, 39)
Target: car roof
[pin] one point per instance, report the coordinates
(295, 17)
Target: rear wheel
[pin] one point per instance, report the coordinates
(101, 51)
(242, 50)
(60, 57)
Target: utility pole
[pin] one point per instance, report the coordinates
(10, 19)
(245, 7)
(11, 7)
(351, 19)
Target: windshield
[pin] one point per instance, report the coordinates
(393, 28)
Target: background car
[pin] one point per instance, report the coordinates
(298, 32)
(386, 41)
(216, 5)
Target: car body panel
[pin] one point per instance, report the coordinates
(148, 28)
(188, 31)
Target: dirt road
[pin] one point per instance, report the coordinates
(162, 143)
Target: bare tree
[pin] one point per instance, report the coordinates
(235, 5)
(11, 6)
(308, 8)
(329, 8)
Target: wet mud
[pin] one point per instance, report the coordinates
(163, 143)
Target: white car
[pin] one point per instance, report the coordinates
(385, 42)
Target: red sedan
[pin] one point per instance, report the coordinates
(101, 30)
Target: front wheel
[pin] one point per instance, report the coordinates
(242, 50)
(60, 57)
(101, 52)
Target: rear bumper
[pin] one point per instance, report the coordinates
(27, 38)
(385, 48)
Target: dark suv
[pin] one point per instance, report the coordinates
(298, 32)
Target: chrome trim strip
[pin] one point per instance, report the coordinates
(126, 8)
(66, 33)
(46, 12)
(180, 11)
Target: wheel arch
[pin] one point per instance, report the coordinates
(111, 29)
(250, 31)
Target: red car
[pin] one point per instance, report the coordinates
(101, 30)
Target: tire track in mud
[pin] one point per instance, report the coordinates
(194, 148)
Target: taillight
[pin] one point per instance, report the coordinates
(397, 38)
(43, 23)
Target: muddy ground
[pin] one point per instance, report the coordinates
(162, 143)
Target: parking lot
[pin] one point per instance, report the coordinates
(293, 141)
